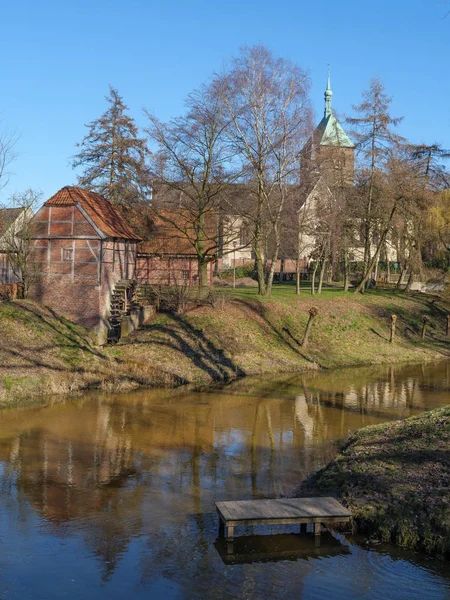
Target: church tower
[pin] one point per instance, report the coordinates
(329, 153)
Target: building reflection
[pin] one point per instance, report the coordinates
(152, 464)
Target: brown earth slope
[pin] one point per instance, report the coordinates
(237, 334)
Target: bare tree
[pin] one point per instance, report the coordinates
(266, 100)
(399, 187)
(16, 241)
(375, 141)
(8, 141)
(193, 168)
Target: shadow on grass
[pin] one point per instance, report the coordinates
(284, 334)
(72, 345)
(410, 318)
(64, 328)
(192, 343)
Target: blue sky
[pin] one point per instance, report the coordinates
(58, 58)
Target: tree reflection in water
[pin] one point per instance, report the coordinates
(133, 478)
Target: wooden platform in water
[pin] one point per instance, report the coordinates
(283, 511)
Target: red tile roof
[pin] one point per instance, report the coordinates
(171, 232)
(103, 214)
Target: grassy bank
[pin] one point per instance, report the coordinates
(396, 480)
(43, 353)
(236, 334)
(244, 334)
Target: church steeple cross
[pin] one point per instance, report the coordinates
(328, 96)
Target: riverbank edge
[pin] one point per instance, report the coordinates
(42, 353)
(47, 386)
(394, 478)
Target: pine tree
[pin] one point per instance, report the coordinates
(113, 156)
(429, 160)
(375, 141)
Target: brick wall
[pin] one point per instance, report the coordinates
(169, 270)
(77, 276)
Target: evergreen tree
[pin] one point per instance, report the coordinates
(113, 156)
(375, 141)
(429, 160)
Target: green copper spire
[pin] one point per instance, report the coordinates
(328, 96)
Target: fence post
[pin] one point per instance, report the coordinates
(313, 312)
(426, 322)
(393, 322)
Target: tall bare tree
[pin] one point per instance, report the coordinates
(399, 188)
(113, 156)
(266, 100)
(375, 141)
(192, 168)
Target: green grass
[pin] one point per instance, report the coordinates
(242, 334)
(261, 335)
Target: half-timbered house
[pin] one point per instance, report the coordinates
(83, 250)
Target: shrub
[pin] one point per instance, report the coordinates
(173, 298)
(241, 272)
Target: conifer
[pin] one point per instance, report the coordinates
(113, 156)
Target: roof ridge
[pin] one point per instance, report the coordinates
(103, 213)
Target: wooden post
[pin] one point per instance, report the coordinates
(426, 322)
(317, 528)
(393, 322)
(448, 325)
(313, 312)
(221, 528)
(230, 532)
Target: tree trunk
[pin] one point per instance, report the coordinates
(365, 279)
(426, 322)
(322, 273)
(274, 258)
(202, 273)
(388, 264)
(410, 281)
(313, 278)
(376, 269)
(346, 272)
(259, 266)
(269, 279)
(313, 312)
(297, 277)
(400, 277)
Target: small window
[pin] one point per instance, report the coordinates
(185, 275)
(67, 254)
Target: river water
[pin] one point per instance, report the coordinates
(112, 496)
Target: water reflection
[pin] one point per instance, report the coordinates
(110, 495)
(270, 548)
